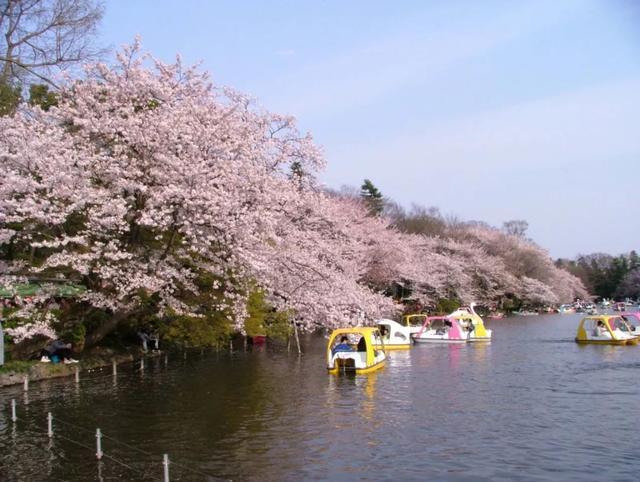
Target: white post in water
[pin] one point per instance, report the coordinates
(142, 364)
(98, 444)
(165, 462)
(166, 360)
(77, 375)
(26, 384)
(115, 367)
(14, 418)
(1, 341)
(49, 424)
(295, 331)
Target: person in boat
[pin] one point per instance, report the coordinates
(444, 329)
(362, 344)
(342, 346)
(599, 329)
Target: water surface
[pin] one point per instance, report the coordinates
(530, 405)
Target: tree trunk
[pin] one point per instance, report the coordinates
(97, 335)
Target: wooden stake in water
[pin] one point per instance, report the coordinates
(14, 418)
(49, 424)
(165, 462)
(295, 331)
(99, 453)
(77, 375)
(26, 384)
(115, 368)
(142, 364)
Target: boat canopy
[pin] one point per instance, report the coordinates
(415, 319)
(368, 336)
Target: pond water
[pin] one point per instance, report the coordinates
(531, 405)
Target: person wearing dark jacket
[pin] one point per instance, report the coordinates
(58, 349)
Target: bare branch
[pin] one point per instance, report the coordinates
(38, 37)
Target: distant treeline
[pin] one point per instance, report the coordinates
(607, 276)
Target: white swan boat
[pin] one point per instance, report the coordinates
(472, 323)
(394, 335)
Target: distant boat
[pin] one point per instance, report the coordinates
(526, 313)
(619, 306)
(565, 309)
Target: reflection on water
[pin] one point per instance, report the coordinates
(530, 405)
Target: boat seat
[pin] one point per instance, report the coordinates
(359, 357)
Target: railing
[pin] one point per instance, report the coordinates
(55, 427)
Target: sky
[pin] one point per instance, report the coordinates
(489, 111)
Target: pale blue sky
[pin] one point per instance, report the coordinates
(488, 110)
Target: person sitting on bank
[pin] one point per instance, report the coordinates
(56, 351)
(342, 346)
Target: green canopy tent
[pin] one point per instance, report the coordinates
(24, 290)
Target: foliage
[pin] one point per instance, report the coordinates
(373, 197)
(16, 366)
(10, 97)
(197, 331)
(446, 306)
(607, 276)
(629, 286)
(263, 319)
(169, 198)
(516, 227)
(39, 94)
(257, 310)
(279, 324)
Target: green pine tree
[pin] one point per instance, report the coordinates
(10, 98)
(373, 197)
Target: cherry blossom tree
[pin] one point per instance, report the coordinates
(165, 194)
(143, 182)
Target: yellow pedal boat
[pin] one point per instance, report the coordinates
(605, 330)
(354, 350)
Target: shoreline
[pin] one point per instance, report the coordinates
(44, 371)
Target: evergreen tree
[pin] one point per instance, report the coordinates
(39, 94)
(373, 197)
(10, 97)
